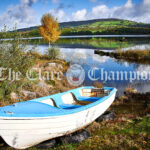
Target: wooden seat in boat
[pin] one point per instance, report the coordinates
(49, 101)
(96, 92)
(70, 101)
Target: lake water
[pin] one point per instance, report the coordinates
(102, 68)
(89, 36)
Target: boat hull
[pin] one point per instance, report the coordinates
(24, 133)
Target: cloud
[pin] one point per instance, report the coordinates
(59, 14)
(130, 11)
(79, 15)
(129, 4)
(82, 55)
(101, 11)
(20, 15)
(23, 14)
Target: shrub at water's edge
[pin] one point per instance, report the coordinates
(53, 53)
(13, 59)
(21, 63)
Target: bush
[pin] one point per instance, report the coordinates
(53, 52)
(14, 58)
(51, 82)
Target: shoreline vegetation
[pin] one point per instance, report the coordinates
(72, 31)
(16, 87)
(133, 56)
(27, 89)
(15, 56)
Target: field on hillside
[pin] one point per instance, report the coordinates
(105, 27)
(109, 27)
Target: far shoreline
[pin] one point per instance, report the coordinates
(86, 36)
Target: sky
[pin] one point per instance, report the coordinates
(26, 13)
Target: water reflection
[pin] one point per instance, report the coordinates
(137, 47)
(88, 60)
(81, 51)
(82, 56)
(99, 43)
(107, 64)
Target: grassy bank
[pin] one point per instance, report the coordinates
(119, 134)
(26, 74)
(135, 56)
(26, 89)
(129, 129)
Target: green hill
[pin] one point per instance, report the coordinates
(110, 26)
(115, 26)
(116, 23)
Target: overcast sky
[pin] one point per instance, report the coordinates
(26, 13)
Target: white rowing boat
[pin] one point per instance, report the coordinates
(26, 124)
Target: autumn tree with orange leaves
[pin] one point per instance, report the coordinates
(49, 29)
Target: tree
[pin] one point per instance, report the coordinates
(49, 29)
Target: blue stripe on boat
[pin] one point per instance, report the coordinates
(34, 108)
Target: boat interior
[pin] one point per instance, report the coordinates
(57, 103)
(71, 99)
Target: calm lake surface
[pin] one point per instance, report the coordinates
(99, 68)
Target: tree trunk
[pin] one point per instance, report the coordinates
(49, 44)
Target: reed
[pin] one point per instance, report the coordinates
(136, 56)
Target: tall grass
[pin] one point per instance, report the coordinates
(53, 53)
(137, 56)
